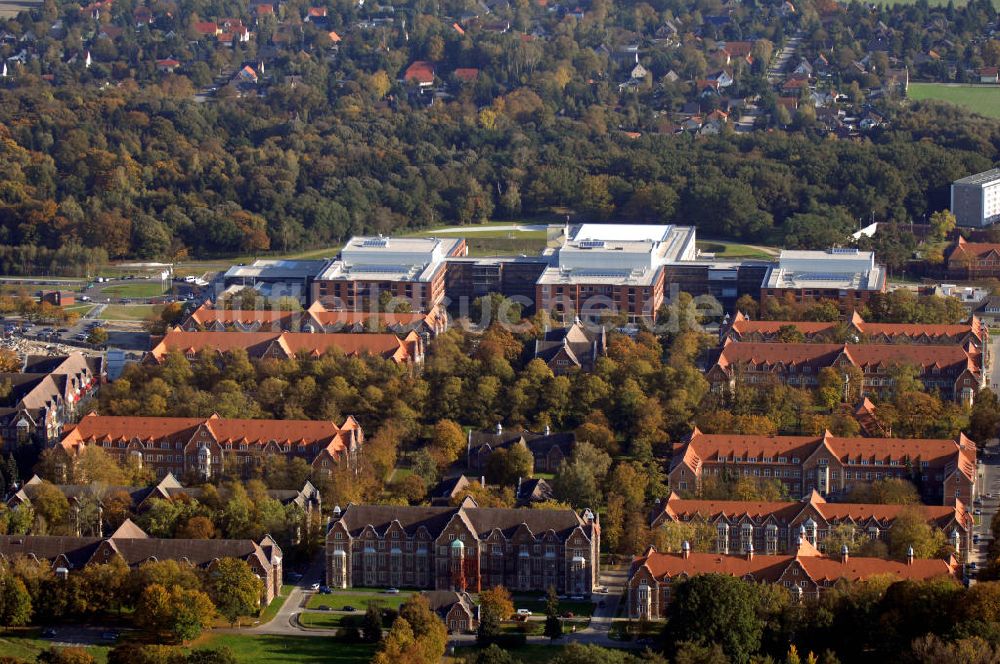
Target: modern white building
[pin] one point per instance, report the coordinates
(844, 275)
(975, 200)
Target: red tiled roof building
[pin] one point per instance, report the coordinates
(945, 470)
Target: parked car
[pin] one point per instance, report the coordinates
(314, 586)
(324, 590)
(975, 538)
(349, 609)
(523, 612)
(392, 591)
(324, 607)
(977, 512)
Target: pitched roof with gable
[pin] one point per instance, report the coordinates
(820, 569)
(861, 355)
(676, 508)
(289, 344)
(420, 71)
(938, 453)
(301, 433)
(481, 520)
(743, 325)
(467, 74)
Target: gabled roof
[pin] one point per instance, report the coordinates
(743, 325)
(481, 520)
(420, 71)
(467, 74)
(257, 344)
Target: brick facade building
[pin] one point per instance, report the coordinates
(215, 446)
(956, 372)
(466, 548)
(805, 574)
(774, 527)
(943, 470)
(130, 544)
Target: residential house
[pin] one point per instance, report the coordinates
(284, 345)
(420, 72)
(463, 549)
(457, 610)
(214, 446)
(944, 470)
(568, 349)
(134, 547)
(167, 65)
(548, 449)
(805, 574)
(466, 74)
(989, 75)
(774, 527)
(735, 51)
(723, 77)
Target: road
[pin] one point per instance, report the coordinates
(776, 71)
(988, 491)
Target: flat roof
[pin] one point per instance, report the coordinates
(871, 280)
(277, 269)
(378, 258)
(620, 232)
(986, 177)
(610, 277)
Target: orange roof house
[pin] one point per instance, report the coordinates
(467, 74)
(206, 28)
(212, 446)
(973, 260)
(334, 37)
(954, 370)
(828, 464)
(407, 350)
(738, 50)
(774, 527)
(420, 72)
(805, 574)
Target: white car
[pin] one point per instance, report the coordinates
(523, 612)
(314, 586)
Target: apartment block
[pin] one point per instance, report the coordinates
(975, 200)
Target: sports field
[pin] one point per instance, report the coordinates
(982, 99)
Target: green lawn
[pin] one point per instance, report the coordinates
(537, 606)
(24, 645)
(82, 309)
(358, 598)
(135, 312)
(269, 649)
(982, 99)
(141, 288)
(729, 250)
(321, 619)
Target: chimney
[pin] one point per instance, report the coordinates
(909, 556)
(844, 554)
(750, 551)
(685, 549)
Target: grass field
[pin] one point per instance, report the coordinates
(359, 599)
(272, 609)
(23, 645)
(135, 312)
(138, 289)
(269, 649)
(321, 619)
(730, 250)
(82, 309)
(982, 99)
(537, 606)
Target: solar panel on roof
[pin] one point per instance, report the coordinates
(591, 244)
(843, 250)
(375, 242)
(823, 276)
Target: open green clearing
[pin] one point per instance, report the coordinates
(139, 289)
(359, 599)
(23, 644)
(982, 99)
(134, 312)
(537, 606)
(285, 649)
(82, 309)
(731, 250)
